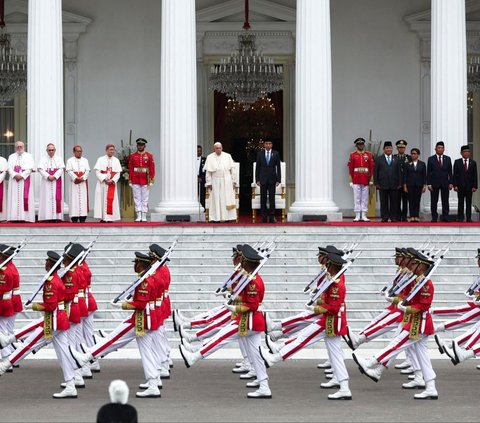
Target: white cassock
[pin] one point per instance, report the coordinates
(50, 204)
(78, 198)
(219, 174)
(21, 200)
(106, 196)
(3, 191)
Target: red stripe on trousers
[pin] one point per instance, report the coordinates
(201, 332)
(304, 342)
(26, 348)
(209, 346)
(396, 347)
(112, 340)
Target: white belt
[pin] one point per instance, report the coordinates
(158, 303)
(152, 305)
(61, 307)
(165, 294)
(16, 291)
(81, 295)
(6, 296)
(75, 300)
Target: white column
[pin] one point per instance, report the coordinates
(313, 113)
(178, 112)
(45, 79)
(449, 76)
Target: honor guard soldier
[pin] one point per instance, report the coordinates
(360, 171)
(404, 159)
(141, 173)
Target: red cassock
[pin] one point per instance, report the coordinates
(251, 297)
(334, 320)
(6, 287)
(141, 168)
(87, 275)
(16, 298)
(53, 297)
(422, 301)
(360, 167)
(141, 297)
(71, 283)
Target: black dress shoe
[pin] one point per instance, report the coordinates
(433, 220)
(272, 219)
(264, 219)
(469, 220)
(384, 220)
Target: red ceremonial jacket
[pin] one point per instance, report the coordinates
(6, 288)
(141, 297)
(160, 284)
(141, 168)
(72, 283)
(53, 297)
(166, 305)
(87, 275)
(16, 298)
(420, 305)
(251, 297)
(334, 319)
(360, 167)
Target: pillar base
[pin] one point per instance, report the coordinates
(300, 208)
(164, 209)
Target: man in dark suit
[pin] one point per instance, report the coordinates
(200, 175)
(387, 179)
(268, 176)
(465, 182)
(439, 180)
(403, 159)
(415, 183)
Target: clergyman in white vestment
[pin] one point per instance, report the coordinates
(219, 168)
(21, 200)
(78, 169)
(3, 192)
(108, 170)
(51, 168)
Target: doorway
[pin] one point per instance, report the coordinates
(242, 130)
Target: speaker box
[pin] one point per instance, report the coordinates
(314, 217)
(178, 218)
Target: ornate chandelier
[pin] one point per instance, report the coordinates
(473, 73)
(246, 75)
(13, 68)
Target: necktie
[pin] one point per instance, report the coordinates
(439, 161)
(465, 166)
(268, 157)
(389, 160)
(415, 165)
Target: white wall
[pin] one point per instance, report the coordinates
(376, 72)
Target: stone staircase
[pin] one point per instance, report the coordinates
(201, 261)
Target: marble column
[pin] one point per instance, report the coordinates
(449, 76)
(313, 113)
(178, 112)
(45, 78)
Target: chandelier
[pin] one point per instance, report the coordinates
(13, 68)
(473, 74)
(246, 75)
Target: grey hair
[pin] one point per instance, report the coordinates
(118, 391)
(218, 143)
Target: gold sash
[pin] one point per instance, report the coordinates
(48, 325)
(243, 325)
(330, 325)
(140, 323)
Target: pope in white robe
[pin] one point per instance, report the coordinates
(108, 170)
(3, 192)
(78, 170)
(219, 177)
(21, 200)
(50, 168)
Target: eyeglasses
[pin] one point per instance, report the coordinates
(50, 150)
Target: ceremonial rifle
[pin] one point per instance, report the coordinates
(329, 280)
(150, 271)
(88, 249)
(474, 287)
(45, 278)
(15, 252)
(249, 277)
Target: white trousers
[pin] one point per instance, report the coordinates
(419, 347)
(204, 319)
(251, 344)
(6, 327)
(213, 327)
(87, 330)
(296, 323)
(227, 334)
(161, 349)
(140, 197)
(36, 340)
(360, 198)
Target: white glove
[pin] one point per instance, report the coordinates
(351, 184)
(116, 305)
(309, 307)
(401, 307)
(219, 293)
(28, 306)
(231, 307)
(387, 297)
(476, 301)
